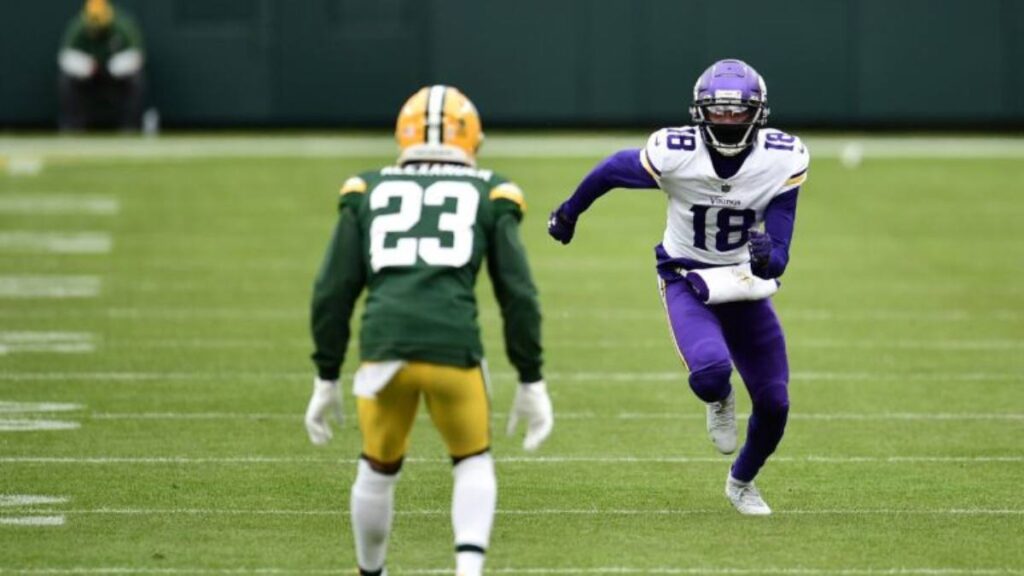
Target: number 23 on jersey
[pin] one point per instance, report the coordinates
(387, 251)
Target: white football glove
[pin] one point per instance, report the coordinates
(533, 406)
(326, 401)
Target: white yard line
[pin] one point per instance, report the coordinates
(543, 512)
(31, 520)
(491, 317)
(56, 242)
(952, 345)
(18, 500)
(7, 407)
(824, 416)
(49, 204)
(178, 460)
(23, 165)
(52, 342)
(33, 425)
(58, 287)
(564, 378)
(534, 569)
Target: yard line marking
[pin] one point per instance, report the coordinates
(937, 344)
(32, 520)
(23, 165)
(8, 500)
(32, 425)
(565, 378)
(7, 407)
(1011, 459)
(51, 204)
(893, 416)
(826, 416)
(56, 342)
(546, 512)
(49, 286)
(698, 571)
(488, 316)
(272, 416)
(56, 242)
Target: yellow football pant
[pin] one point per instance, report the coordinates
(456, 399)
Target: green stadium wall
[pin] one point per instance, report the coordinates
(344, 63)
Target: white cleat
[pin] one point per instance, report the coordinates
(745, 498)
(722, 423)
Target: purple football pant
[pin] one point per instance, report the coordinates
(711, 339)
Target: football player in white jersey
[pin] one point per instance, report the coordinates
(732, 187)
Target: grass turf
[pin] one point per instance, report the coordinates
(903, 308)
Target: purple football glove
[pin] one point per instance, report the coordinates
(760, 247)
(561, 227)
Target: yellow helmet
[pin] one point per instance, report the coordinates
(98, 13)
(438, 124)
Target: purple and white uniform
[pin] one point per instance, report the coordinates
(713, 202)
(709, 216)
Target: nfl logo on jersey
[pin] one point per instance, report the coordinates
(726, 187)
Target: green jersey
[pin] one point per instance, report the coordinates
(122, 34)
(415, 237)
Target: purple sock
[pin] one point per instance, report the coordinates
(764, 431)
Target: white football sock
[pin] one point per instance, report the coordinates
(372, 507)
(473, 501)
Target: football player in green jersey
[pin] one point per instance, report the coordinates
(415, 235)
(101, 62)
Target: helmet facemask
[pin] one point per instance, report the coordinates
(730, 104)
(729, 125)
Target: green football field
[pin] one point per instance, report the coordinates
(154, 371)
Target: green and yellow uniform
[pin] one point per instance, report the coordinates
(120, 34)
(415, 237)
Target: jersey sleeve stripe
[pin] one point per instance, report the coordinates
(645, 161)
(353, 184)
(800, 173)
(796, 180)
(509, 191)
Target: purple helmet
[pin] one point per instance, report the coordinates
(730, 103)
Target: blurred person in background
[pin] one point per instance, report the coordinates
(101, 70)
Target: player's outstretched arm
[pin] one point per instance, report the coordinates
(620, 170)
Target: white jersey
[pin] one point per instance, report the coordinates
(709, 217)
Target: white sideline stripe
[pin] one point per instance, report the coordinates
(498, 146)
(564, 378)
(32, 520)
(32, 425)
(549, 512)
(8, 500)
(7, 407)
(58, 204)
(49, 286)
(56, 242)
(58, 342)
(864, 416)
(1014, 459)
(704, 570)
